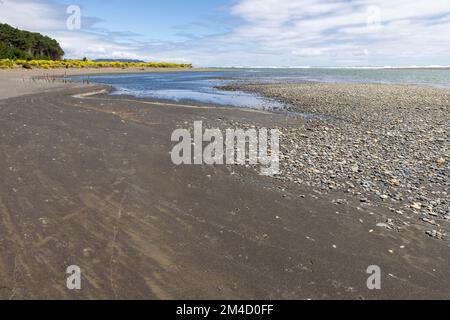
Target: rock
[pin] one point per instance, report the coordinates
(394, 182)
(384, 225)
(44, 221)
(416, 205)
(340, 201)
(435, 234)
(429, 221)
(386, 155)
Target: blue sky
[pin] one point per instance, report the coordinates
(246, 32)
(164, 20)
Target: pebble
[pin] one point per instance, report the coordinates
(435, 234)
(370, 145)
(384, 225)
(44, 221)
(416, 205)
(394, 182)
(429, 221)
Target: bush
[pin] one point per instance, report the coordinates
(6, 64)
(79, 64)
(26, 65)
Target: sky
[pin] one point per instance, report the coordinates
(220, 33)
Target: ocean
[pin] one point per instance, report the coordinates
(200, 87)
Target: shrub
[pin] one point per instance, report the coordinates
(6, 64)
(79, 64)
(26, 65)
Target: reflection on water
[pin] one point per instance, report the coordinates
(185, 87)
(211, 96)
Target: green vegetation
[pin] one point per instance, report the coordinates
(18, 44)
(80, 64)
(32, 50)
(6, 64)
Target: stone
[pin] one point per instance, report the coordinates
(435, 234)
(429, 221)
(416, 205)
(384, 225)
(394, 182)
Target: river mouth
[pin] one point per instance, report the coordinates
(199, 88)
(205, 87)
(218, 97)
(184, 87)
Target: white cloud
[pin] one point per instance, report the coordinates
(31, 15)
(51, 19)
(270, 32)
(333, 29)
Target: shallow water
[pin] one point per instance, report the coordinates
(184, 87)
(200, 86)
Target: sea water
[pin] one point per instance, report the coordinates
(201, 87)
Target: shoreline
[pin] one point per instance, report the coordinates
(89, 181)
(30, 81)
(324, 117)
(387, 146)
(17, 82)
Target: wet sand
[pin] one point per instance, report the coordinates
(88, 181)
(17, 82)
(384, 144)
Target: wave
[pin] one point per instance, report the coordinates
(339, 67)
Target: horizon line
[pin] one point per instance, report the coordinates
(330, 67)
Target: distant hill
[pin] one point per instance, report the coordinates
(119, 60)
(19, 44)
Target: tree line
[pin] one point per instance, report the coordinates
(19, 44)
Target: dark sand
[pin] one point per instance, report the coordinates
(90, 182)
(19, 81)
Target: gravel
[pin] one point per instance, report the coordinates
(387, 145)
